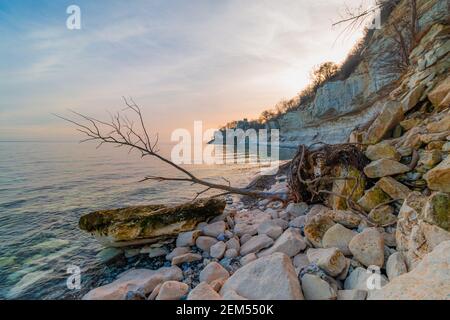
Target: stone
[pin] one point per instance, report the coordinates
(385, 167)
(178, 251)
(248, 258)
(203, 291)
(412, 98)
(172, 290)
(213, 271)
(346, 218)
(435, 145)
(437, 210)
(431, 137)
(315, 288)
(339, 237)
(368, 247)
(147, 224)
(232, 295)
(231, 253)
(360, 279)
(214, 229)
(245, 238)
(393, 188)
(256, 244)
(316, 227)
(408, 124)
(383, 215)
(430, 280)
(353, 186)
(298, 222)
(395, 266)
(143, 280)
(218, 250)
(268, 278)
(187, 239)
(351, 295)
(282, 223)
(233, 243)
(330, 260)
(289, 243)
(440, 96)
(109, 254)
(390, 116)
(217, 284)
(301, 260)
(157, 252)
(132, 252)
(438, 178)
(439, 126)
(429, 158)
(204, 243)
(241, 229)
(389, 239)
(446, 147)
(372, 198)
(155, 292)
(297, 209)
(270, 229)
(382, 150)
(187, 257)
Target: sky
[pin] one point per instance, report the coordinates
(181, 61)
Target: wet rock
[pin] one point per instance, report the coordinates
(214, 229)
(213, 271)
(205, 243)
(270, 229)
(368, 247)
(382, 150)
(438, 178)
(316, 227)
(218, 250)
(268, 278)
(289, 243)
(315, 288)
(393, 188)
(351, 295)
(255, 244)
(430, 280)
(187, 257)
(187, 239)
(385, 167)
(172, 290)
(383, 215)
(203, 291)
(395, 266)
(339, 237)
(134, 280)
(147, 224)
(330, 260)
(372, 198)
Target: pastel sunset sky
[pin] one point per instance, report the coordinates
(208, 60)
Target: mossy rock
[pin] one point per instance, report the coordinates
(437, 210)
(147, 224)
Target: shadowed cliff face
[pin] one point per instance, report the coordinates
(340, 107)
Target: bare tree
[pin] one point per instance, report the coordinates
(121, 131)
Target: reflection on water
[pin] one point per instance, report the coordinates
(46, 187)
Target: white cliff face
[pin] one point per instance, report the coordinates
(342, 106)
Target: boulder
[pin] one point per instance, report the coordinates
(268, 278)
(290, 243)
(214, 229)
(385, 167)
(172, 290)
(368, 247)
(330, 260)
(438, 178)
(148, 224)
(248, 258)
(213, 271)
(315, 288)
(203, 291)
(440, 96)
(339, 237)
(395, 266)
(393, 188)
(316, 227)
(218, 250)
(413, 97)
(256, 244)
(390, 116)
(353, 186)
(372, 198)
(382, 150)
(437, 210)
(187, 239)
(430, 280)
(187, 257)
(142, 280)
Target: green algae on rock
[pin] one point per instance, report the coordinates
(148, 224)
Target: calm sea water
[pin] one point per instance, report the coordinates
(44, 189)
